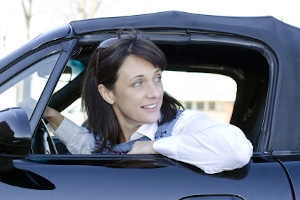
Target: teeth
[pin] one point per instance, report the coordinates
(150, 106)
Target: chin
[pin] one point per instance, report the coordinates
(150, 118)
(151, 121)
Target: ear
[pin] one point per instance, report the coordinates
(106, 94)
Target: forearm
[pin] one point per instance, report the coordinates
(53, 117)
(142, 147)
(210, 150)
(77, 139)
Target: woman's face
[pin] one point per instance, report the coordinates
(138, 93)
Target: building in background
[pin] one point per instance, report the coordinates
(216, 109)
(210, 93)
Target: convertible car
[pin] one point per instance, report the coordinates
(261, 55)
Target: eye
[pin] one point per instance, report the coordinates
(137, 83)
(158, 78)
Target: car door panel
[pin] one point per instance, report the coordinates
(293, 169)
(264, 180)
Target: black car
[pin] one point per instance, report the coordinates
(261, 55)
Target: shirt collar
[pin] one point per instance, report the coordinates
(147, 130)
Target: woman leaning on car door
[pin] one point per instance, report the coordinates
(129, 112)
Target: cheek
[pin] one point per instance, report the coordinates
(162, 90)
(126, 98)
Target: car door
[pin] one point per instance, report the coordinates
(138, 177)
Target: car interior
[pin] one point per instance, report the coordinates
(245, 60)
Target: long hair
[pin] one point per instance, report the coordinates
(102, 69)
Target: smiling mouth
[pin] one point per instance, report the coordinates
(150, 106)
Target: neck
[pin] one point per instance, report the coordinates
(127, 133)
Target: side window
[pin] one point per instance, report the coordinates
(212, 94)
(28, 84)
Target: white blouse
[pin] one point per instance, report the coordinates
(196, 139)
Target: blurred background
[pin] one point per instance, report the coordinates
(22, 20)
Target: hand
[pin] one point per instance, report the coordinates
(142, 147)
(53, 117)
(29, 104)
(50, 114)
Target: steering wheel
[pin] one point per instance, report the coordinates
(42, 142)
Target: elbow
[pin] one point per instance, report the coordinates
(241, 149)
(241, 155)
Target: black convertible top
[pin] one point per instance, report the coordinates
(283, 103)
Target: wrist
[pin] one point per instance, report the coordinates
(53, 117)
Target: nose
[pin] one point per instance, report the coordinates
(154, 90)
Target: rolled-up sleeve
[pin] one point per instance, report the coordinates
(210, 145)
(77, 139)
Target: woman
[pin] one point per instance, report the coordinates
(129, 112)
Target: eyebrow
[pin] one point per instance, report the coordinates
(141, 75)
